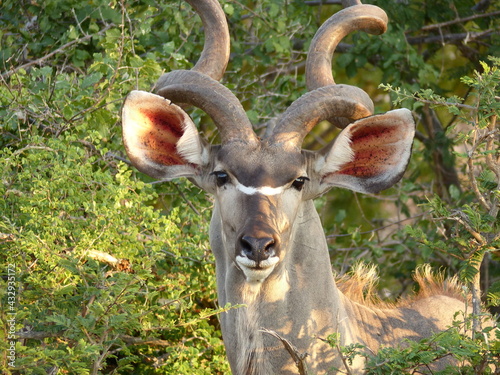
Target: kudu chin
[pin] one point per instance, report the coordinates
(267, 238)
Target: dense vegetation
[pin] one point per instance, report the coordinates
(106, 271)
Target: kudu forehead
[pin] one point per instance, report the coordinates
(261, 165)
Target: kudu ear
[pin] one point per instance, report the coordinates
(370, 154)
(160, 138)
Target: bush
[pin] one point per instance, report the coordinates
(104, 276)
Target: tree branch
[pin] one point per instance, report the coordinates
(37, 335)
(492, 164)
(323, 2)
(53, 53)
(460, 37)
(380, 228)
(459, 20)
(147, 341)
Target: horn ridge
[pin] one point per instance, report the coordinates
(216, 100)
(215, 55)
(320, 104)
(200, 87)
(368, 18)
(339, 104)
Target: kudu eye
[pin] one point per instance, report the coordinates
(221, 178)
(298, 184)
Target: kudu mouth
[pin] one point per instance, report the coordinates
(257, 254)
(256, 272)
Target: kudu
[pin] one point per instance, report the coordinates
(270, 249)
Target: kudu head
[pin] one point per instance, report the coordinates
(260, 185)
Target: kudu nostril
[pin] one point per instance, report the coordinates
(257, 249)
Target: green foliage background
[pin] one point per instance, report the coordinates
(69, 197)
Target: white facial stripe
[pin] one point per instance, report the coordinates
(252, 190)
(265, 190)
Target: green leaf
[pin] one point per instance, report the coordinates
(229, 9)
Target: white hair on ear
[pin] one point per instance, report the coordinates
(189, 145)
(135, 124)
(340, 154)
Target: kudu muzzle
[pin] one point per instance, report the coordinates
(259, 239)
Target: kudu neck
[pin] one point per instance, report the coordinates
(299, 299)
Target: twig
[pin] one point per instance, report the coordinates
(115, 301)
(490, 146)
(462, 219)
(186, 200)
(403, 94)
(379, 228)
(459, 20)
(494, 166)
(298, 358)
(323, 2)
(344, 361)
(117, 157)
(37, 335)
(147, 341)
(451, 37)
(254, 14)
(59, 50)
(96, 366)
(32, 147)
(473, 181)
(169, 253)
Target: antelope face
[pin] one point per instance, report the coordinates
(258, 190)
(260, 185)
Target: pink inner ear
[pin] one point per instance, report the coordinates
(165, 121)
(160, 136)
(375, 150)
